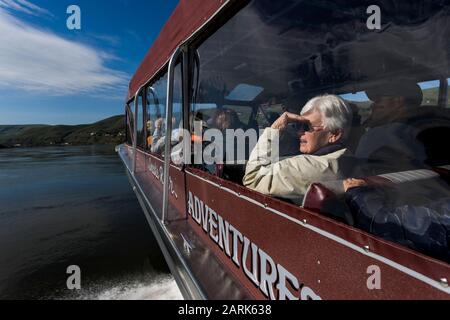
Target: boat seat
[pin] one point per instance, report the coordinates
(327, 197)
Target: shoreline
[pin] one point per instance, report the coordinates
(107, 131)
(4, 147)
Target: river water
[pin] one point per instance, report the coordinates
(64, 206)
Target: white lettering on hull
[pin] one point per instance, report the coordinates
(158, 173)
(272, 279)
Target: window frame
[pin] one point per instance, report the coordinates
(129, 126)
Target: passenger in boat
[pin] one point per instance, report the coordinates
(415, 214)
(224, 119)
(158, 136)
(177, 142)
(390, 143)
(176, 136)
(159, 128)
(177, 131)
(149, 133)
(322, 128)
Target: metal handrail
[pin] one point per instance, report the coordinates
(136, 109)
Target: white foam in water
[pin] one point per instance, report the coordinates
(161, 289)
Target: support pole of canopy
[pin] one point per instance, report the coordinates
(136, 106)
(169, 113)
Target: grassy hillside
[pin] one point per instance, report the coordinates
(108, 131)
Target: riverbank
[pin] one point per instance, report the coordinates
(107, 131)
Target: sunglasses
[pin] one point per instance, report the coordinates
(305, 126)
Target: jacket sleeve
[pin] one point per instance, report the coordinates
(288, 178)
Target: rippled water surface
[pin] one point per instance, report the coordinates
(65, 206)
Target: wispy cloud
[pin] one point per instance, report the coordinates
(25, 7)
(32, 59)
(110, 40)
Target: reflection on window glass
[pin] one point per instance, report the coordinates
(430, 90)
(362, 103)
(244, 92)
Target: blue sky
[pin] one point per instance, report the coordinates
(52, 75)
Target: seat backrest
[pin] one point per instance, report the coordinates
(326, 197)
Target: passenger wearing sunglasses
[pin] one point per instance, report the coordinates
(322, 130)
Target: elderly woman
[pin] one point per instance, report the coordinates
(322, 129)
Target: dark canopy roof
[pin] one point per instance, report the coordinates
(188, 17)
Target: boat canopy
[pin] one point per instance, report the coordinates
(189, 16)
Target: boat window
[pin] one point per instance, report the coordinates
(274, 57)
(156, 116)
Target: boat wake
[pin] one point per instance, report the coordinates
(162, 289)
(159, 288)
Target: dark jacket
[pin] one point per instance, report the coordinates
(416, 216)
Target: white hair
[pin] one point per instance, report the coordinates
(336, 114)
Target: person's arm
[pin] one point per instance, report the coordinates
(288, 178)
(353, 183)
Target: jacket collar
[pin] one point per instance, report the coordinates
(328, 149)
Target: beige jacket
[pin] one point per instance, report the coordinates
(288, 178)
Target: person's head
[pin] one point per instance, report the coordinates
(329, 122)
(225, 119)
(393, 99)
(159, 123)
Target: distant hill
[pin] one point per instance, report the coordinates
(108, 131)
